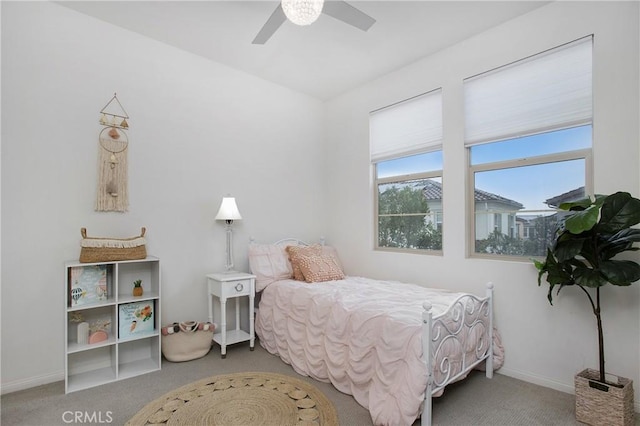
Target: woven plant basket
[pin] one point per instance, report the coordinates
(98, 249)
(603, 404)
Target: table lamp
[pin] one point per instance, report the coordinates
(229, 212)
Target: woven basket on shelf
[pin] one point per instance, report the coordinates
(98, 249)
(603, 404)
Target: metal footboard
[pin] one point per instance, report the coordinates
(466, 328)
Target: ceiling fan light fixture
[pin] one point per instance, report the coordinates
(302, 12)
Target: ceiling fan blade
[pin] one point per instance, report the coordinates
(274, 22)
(346, 13)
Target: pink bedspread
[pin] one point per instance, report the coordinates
(362, 335)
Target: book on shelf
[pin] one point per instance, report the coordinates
(88, 285)
(135, 318)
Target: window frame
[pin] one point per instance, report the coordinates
(386, 145)
(585, 154)
(400, 179)
(539, 94)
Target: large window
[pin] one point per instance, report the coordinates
(528, 133)
(406, 156)
(516, 195)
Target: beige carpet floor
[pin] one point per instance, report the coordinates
(475, 401)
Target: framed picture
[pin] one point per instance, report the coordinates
(135, 319)
(88, 285)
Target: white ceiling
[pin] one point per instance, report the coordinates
(324, 59)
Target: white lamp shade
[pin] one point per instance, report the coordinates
(302, 12)
(228, 210)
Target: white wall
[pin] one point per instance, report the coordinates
(199, 130)
(544, 344)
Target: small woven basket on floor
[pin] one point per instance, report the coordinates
(98, 249)
(187, 340)
(603, 404)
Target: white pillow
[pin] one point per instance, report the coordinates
(269, 263)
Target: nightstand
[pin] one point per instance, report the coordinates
(225, 286)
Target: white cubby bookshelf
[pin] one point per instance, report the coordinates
(100, 291)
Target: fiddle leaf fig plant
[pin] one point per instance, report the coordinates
(591, 232)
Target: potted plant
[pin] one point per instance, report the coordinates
(590, 234)
(137, 288)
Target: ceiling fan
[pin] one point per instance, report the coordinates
(305, 12)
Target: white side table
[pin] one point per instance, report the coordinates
(225, 286)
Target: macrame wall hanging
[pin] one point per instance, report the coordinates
(112, 158)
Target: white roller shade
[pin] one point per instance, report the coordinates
(545, 92)
(406, 128)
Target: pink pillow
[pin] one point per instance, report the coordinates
(295, 252)
(318, 268)
(331, 251)
(269, 263)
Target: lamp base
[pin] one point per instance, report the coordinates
(228, 265)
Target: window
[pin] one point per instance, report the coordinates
(409, 206)
(528, 133)
(497, 222)
(406, 156)
(438, 216)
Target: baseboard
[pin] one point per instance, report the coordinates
(30, 382)
(548, 383)
(538, 380)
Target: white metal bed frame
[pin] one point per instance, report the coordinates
(468, 312)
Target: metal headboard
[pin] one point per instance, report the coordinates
(291, 242)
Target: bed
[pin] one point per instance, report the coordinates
(371, 339)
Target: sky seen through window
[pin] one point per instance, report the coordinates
(528, 185)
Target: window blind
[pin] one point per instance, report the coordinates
(548, 91)
(406, 128)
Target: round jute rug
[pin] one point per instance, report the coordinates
(240, 399)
